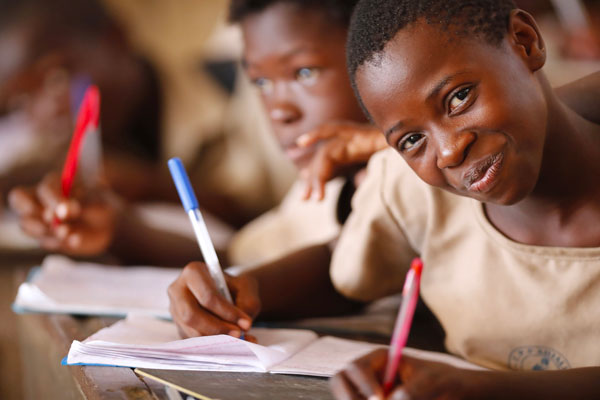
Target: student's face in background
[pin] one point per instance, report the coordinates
(296, 58)
(467, 116)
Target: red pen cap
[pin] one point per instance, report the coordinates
(417, 265)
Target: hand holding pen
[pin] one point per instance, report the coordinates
(76, 222)
(388, 374)
(203, 299)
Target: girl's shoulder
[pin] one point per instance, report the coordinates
(583, 96)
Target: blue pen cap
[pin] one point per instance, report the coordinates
(182, 183)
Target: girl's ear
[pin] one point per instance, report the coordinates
(525, 38)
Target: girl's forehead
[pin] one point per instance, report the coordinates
(282, 22)
(281, 36)
(419, 59)
(417, 52)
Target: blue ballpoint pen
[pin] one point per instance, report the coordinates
(190, 204)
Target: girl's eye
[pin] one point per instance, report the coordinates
(263, 84)
(459, 98)
(307, 75)
(410, 141)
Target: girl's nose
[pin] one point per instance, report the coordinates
(454, 148)
(285, 113)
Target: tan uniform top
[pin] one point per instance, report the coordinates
(294, 225)
(502, 304)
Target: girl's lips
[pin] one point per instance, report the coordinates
(482, 177)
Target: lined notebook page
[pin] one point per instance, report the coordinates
(324, 357)
(145, 342)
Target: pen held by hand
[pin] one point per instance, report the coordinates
(410, 296)
(190, 204)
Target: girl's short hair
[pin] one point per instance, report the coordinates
(376, 22)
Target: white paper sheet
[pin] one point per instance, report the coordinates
(145, 342)
(65, 286)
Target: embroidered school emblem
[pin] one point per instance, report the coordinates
(537, 358)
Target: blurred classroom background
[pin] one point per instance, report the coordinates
(172, 85)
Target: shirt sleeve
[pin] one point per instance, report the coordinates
(373, 254)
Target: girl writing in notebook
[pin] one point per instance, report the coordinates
(493, 180)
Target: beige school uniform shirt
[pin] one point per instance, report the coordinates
(293, 225)
(503, 305)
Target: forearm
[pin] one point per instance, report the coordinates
(572, 384)
(298, 285)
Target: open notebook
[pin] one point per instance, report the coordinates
(145, 342)
(61, 285)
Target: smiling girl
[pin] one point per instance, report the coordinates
(494, 182)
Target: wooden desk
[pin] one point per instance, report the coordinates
(45, 340)
(10, 360)
(32, 346)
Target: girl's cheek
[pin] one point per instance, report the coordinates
(428, 171)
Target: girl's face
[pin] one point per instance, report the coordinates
(467, 116)
(296, 58)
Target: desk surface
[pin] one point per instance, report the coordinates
(241, 385)
(45, 340)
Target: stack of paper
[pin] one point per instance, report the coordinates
(144, 342)
(64, 286)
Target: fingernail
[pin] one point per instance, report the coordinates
(61, 210)
(244, 323)
(235, 333)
